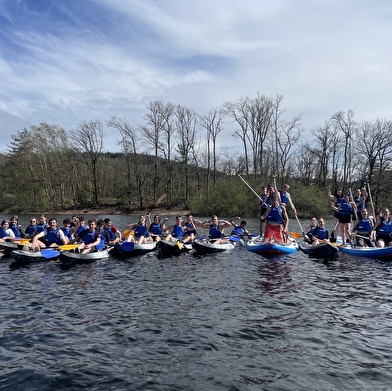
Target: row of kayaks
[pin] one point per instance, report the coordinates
(200, 246)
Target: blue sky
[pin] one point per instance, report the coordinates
(68, 61)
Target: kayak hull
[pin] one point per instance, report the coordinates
(324, 250)
(206, 247)
(368, 252)
(261, 248)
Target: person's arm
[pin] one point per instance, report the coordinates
(95, 243)
(291, 204)
(266, 213)
(329, 193)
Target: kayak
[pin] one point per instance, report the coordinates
(129, 249)
(8, 247)
(262, 248)
(168, 249)
(368, 252)
(202, 246)
(26, 256)
(72, 258)
(323, 250)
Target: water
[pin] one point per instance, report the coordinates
(235, 321)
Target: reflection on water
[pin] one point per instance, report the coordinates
(235, 321)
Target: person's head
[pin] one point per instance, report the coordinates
(214, 219)
(385, 213)
(338, 192)
(321, 222)
(264, 189)
(142, 221)
(346, 196)
(82, 220)
(178, 220)
(42, 219)
(14, 220)
(364, 213)
(52, 223)
(5, 223)
(91, 224)
(157, 219)
(243, 224)
(286, 187)
(313, 221)
(274, 197)
(33, 221)
(67, 222)
(100, 224)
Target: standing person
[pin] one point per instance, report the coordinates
(320, 233)
(285, 198)
(157, 229)
(16, 227)
(309, 230)
(362, 229)
(263, 207)
(29, 231)
(51, 236)
(6, 232)
(345, 210)
(89, 238)
(338, 199)
(114, 233)
(360, 198)
(216, 227)
(277, 221)
(383, 229)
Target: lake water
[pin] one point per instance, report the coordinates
(235, 321)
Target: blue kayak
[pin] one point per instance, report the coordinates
(368, 252)
(259, 247)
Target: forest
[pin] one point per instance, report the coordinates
(181, 154)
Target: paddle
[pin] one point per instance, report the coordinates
(49, 253)
(247, 184)
(69, 246)
(179, 244)
(370, 196)
(158, 201)
(296, 235)
(234, 238)
(127, 246)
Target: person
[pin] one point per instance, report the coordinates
(66, 228)
(360, 198)
(178, 232)
(320, 233)
(157, 229)
(42, 224)
(362, 229)
(104, 233)
(382, 230)
(114, 233)
(51, 236)
(190, 227)
(345, 211)
(89, 238)
(285, 198)
(16, 227)
(263, 207)
(78, 225)
(29, 231)
(237, 233)
(6, 232)
(140, 233)
(338, 199)
(277, 221)
(216, 227)
(309, 230)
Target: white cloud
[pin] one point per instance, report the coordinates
(66, 62)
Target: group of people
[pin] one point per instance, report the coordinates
(145, 231)
(357, 227)
(94, 235)
(44, 233)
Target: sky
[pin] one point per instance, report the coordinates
(64, 62)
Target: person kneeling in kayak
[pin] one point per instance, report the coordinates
(277, 221)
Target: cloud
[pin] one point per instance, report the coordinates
(65, 62)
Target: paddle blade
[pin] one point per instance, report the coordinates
(127, 246)
(49, 254)
(179, 244)
(296, 235)
(234, 238)
(69, 246)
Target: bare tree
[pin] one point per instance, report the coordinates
(88, 140)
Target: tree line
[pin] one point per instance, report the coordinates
(182, 154)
